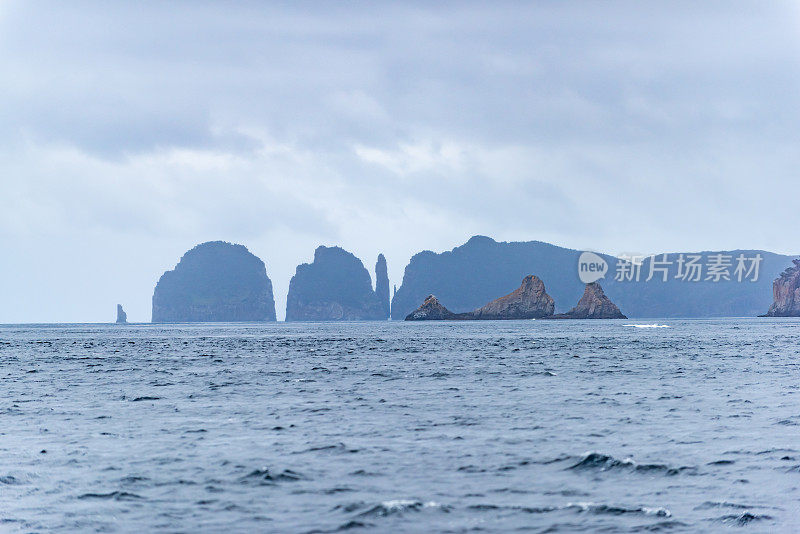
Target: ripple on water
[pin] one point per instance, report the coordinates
(113, 495)
(594, 461)
(312, 427)
(742, 519)
(266, 477)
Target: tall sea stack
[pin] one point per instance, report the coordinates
(786, 293)
(122, 317)
(382, 284)
(215, 281)
(335, 287)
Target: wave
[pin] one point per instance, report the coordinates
(743, 519)
(114, 495)
(265, 477)
(524, 509)
(337, 448)
(399, 507)
(604, 462)
(654, 325)
(595, 508)
(579, 507)
(390, 508)
(721, 504)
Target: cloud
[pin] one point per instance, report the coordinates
(612, 126)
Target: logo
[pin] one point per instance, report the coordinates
(591, 267)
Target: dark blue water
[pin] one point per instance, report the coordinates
(537, 426)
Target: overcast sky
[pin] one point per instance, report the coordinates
(130, 132)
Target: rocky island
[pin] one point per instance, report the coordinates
(476, 272)
(786, 293)
(432, 310)
(215, 281)
(594, 304)
(529, 301)
(122, 317)
(337, 287)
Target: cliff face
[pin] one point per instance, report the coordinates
(215, 281)
(594, 304)
(382, 284)
(529, 301)
(335, 287)
(786, 293)
(475, 273)
(122, 317)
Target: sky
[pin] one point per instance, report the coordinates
(132, 131)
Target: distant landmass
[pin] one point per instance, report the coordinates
(786, 293)
(215, 281)
(481, 269)
(219, 281)
(337, 287)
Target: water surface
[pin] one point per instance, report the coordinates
(540, 426)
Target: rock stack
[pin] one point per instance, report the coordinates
(215, 281)
(786, 293)
(335, 287)
(122, 317)
(529, 301)
(594, 304)
(382, 284)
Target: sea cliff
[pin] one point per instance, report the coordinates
(215, 281)
(336, 287)
(786, 293)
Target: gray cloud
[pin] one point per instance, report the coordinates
(615, 126)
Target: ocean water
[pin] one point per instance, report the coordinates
(534, 426)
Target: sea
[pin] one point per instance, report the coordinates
(663, 425)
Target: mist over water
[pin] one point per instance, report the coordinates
(401, 427)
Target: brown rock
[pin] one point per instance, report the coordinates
(432, 310)
(786, 293)
(594, 304)
(529, 301)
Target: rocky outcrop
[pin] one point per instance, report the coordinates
(476, 272)
(335, 287)
(122, 317)
(594, 304)
(432, 310)
(215, 281)
(786, 293)
(382, 284)
(529, 301)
